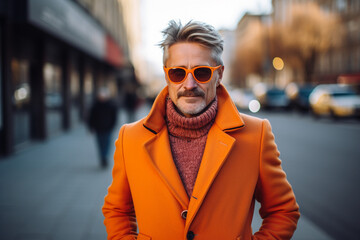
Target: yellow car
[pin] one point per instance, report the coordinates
(336, 100)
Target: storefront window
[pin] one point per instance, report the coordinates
(75, 96)
(53, 98)
(1, 107)
(88, 89)
(21, 100)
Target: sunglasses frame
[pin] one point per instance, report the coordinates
(187, 71)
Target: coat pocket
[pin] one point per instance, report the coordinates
(143, 237)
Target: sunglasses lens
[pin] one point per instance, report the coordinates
(202, 74)
(177, 74)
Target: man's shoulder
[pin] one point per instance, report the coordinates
(134, 126)
(250, 118)
(251, 121)
(135, 130)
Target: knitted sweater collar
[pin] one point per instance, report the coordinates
(193, 127)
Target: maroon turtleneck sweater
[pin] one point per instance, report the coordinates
(187, 140)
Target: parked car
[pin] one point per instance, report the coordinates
(299, 95)
(335, 100)
(244, 99)
(275, 98)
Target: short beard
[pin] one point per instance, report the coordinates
(194, 112)
(196, 92)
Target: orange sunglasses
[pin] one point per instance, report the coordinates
(202, 74)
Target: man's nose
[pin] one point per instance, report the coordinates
(190, 82)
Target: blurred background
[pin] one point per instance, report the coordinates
(295, 62)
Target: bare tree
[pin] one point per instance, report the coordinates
(249, 53)
(308, 32)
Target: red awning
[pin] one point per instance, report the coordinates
(349, 78)
(114, 54)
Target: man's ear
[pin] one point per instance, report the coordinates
(221, 72)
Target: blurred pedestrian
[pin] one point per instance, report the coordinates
(102, 120)
(194, 166)
(130, 101)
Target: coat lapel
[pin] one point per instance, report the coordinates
(218, 146)
(159, 152)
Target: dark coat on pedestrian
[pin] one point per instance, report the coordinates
(103, 116)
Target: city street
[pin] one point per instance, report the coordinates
(321, 158)
(67, 66)
(54, 190)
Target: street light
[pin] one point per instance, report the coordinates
(278, 63)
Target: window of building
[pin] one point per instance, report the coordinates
(358, 30)
(354, 60)
(53, 98)
(336, 62)
(75, 96)
(1, 107)
(88, 88)
(353, 29)
(324, 63)
(21, 96)
(357, 68)
(341, 5)
(355, 6)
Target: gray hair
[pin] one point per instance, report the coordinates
(196, 32)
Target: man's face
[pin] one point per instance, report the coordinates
(190, 96)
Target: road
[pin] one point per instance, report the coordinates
(322, 161)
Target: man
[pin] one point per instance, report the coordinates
(194, 166)
(102, 120)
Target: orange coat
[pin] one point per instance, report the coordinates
(240, 164)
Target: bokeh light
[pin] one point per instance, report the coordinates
(278, 63)
(254, 106)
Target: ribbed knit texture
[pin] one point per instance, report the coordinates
(187, 139)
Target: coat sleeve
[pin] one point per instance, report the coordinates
(118, 209)
(279, 209)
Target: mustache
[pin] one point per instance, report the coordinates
(191, 93)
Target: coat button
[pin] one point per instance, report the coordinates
(184, 214)
(190, 235)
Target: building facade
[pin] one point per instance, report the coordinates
(342, 60)
(250, 23)
(54, 55)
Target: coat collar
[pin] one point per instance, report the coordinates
(227, 118)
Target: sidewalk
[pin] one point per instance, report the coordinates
(54, 191)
